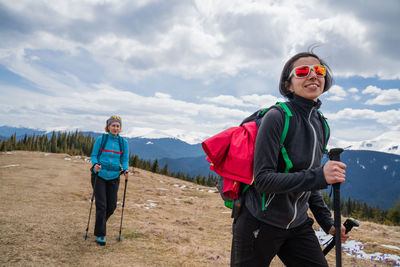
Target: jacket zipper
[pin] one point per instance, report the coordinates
(315, 139)
(295, 210)
(111, 156)
(270, 198)
(309, 167)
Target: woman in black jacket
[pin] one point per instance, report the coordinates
(274, 219)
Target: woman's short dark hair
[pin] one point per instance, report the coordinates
(287, 69)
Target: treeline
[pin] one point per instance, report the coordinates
(75, 143)
(362, 211)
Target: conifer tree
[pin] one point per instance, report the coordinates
(133, 161)
(393, 215)
(53, 145)
(164, 170)
(154, 167)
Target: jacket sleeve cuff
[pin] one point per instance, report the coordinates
(326, 226)
(321, 178)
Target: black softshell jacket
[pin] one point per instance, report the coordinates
(289, 195)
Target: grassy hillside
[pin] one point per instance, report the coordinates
(45, 200)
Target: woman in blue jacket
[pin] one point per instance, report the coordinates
(110, 152)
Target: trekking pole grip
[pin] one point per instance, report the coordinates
(334, 154)
(348, 224)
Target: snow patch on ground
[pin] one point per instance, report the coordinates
(355, 249)
(146, 205)
(11, 165)
(389, 246)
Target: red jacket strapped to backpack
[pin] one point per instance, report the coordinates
(231, 154)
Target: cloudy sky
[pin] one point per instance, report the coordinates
(190, 69)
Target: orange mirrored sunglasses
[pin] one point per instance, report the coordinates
(304, 70)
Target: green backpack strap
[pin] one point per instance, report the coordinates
(326, 128)
(285, 155)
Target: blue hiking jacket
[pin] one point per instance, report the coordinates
(111, 157)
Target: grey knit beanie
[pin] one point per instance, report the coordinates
(114, 119)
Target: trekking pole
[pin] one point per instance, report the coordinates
(91, 204)
(334, 154)
(122, 214)
(348, 224)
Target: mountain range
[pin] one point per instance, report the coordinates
(373, 177)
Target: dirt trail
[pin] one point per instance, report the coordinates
(45, 200)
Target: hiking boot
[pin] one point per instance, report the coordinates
(101, 240)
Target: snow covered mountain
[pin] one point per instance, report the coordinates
(371, 177)
(388, 142)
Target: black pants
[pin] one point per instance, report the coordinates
(255, 243)
(106, 194)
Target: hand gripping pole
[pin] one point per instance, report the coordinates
(348, 224)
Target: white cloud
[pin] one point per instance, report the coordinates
(226, 100)
(162, 95)
(388, 117)
(262, 101)
(336, 93)
(335, 98)
(353, 90)
(372, 90)
(254, 101)
(384, 97)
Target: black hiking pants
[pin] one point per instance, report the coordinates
(106, 194)
(255, 243)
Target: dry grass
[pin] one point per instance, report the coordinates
(45, 205)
